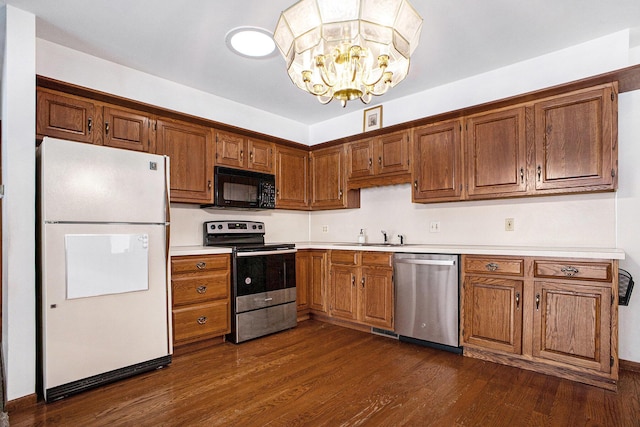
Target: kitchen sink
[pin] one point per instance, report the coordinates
(369, 244)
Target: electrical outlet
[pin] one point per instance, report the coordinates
(509, 224)
(325, 228)
(434, 227)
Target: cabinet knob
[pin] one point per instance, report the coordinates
(521, 175)
(415, 184)
(517, 300)
(89, 124)
(353, 280)
(492, 266)
(201, 265)
(202, 320)
(539, 169)
(380, 160)
(370, 162)
(241, 154)
(201, 289)
(537, 302)
(106, 128)
(362, 282)
(209, 184)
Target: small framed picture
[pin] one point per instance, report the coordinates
(372, 119)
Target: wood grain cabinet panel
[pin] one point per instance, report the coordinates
(128, 129)
(328, 180)
(67, 117)
(376, 296)
(383, 160)
(344, 294)
(239, 151)
(496, 147)
(190, 150)
(437, 162)
(260, 156)
(576, 141)
(292, 178)
(201, 287)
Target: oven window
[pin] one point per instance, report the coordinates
(236, 192)
(264, 273)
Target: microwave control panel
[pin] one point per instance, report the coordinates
(268, 195)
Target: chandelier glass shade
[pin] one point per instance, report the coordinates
(348, 49)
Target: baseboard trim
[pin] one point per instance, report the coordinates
(25, 402)
(627, 365)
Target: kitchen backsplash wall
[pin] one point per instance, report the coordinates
(280, 225)
(558, 221)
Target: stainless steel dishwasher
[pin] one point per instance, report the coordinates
(427, 299)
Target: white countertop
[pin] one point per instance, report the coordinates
(589, 253)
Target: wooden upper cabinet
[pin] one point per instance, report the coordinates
(437, 162)
(190, 149)
(66, 117)
(496, 153)
(292, 178)
(576, 141)
(260, 155)
(383, 160)
(328, 186)
(238, 151)
(231, 149)
(128, 129)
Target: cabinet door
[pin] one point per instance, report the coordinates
(575, 141)
(303, 279)
(376, 292)
(437, 162)
(231, 150)
(66, 117)
(392, 153)
(360, 158)
(496, 148)
(190, 149)
(492, 315)
(572, 324)
(343, 292)
(292, 178)
(128, 129)
(260, 156)
(328, 190)
(318, 282)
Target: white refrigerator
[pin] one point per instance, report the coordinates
(104, 300)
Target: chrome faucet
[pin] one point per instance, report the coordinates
(384, 234)
(401, 237)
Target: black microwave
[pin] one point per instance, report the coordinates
(237, 188)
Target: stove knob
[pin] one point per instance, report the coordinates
(219, 226)
(254, 226)
(260, 227)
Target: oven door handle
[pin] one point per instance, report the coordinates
(261, 253)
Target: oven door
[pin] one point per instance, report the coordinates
(264, 271)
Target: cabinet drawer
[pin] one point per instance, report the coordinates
(196, 263)
(201, 321)
(598, 271)
(344, 257)
(494, 265)
(382, 259)
(197, 288)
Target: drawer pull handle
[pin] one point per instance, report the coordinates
(570, 271)
(201, 289)
(492, 266)
(201, 265)
(202, 320)
(517, 300)
(268, 299)
(537, 302)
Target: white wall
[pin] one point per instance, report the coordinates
(18, 215)
(61, 63)
(628, 198)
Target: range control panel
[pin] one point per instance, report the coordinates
(234, 227)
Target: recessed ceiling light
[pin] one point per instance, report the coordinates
(251, 42)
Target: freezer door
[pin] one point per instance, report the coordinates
(91, 183)
(104, 299)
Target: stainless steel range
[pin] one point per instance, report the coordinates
(263, 279)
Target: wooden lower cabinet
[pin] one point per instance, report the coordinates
(200, 287)
(311, 287)
(361, 287)
(555, 316)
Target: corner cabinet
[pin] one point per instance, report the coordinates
(328, 180)
(361, 288)
(292, 178)
(200, 287)
(555, 316)
(190, 150)
(383, 160)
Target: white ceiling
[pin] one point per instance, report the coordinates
(183, 41)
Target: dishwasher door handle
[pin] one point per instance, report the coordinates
(426, 261)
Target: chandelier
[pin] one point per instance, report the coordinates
(348, 49)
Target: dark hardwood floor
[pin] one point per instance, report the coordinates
(324, 375)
